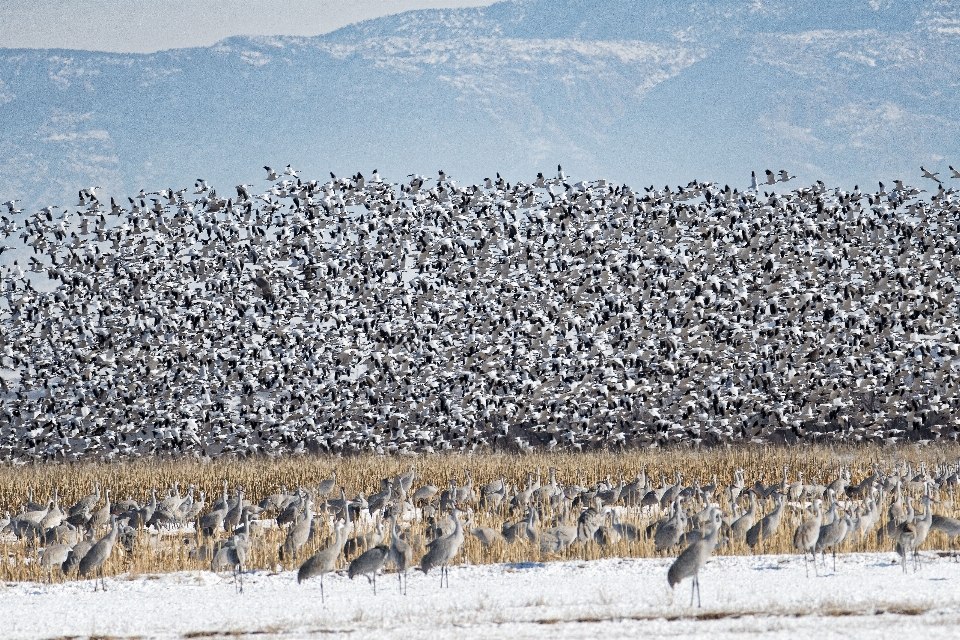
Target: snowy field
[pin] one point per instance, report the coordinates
(867, 597)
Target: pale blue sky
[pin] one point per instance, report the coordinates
(145, 26)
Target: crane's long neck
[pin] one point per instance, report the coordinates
(714, 536)
(457, 527)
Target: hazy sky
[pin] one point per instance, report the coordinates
(144, 26)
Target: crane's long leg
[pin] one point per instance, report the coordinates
(374, 583)
(815, 570)
(321, 587)
(806, 565)
(693, 585)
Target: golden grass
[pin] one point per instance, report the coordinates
(263, 476)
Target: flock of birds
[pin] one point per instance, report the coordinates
(354, 315)
(368, 532)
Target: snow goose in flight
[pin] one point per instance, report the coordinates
(956, 174)
(11, 207)
(931, 176)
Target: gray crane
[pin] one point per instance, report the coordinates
(424, 493)
(401, 555)
(101, 517)
(442, 550)
(912, 533)
(406, 479)
(84, 505)
(692, 559)
(327, 486)
(906, 537)
(923, 523)
(324, 560)
(99, 553)
(668, 534)
(299, 533)
(209, 523)
(369, 563)
(233, 554)
(767, 526)
(76, 553)
(235, 514)
(806, 535)
(831, 535)
(740, 526)
(54, 556)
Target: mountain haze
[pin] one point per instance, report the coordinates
(638, 92)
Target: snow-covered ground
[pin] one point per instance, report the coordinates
(867, 597)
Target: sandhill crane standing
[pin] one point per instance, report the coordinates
(101, 517)
(767, 526)
(424, 493)
(327, 486)
(212, 521)
(442, 550)
(912, 533)
(54, 556)
(906, 537)
(86, 503)
(298, 534)
(324, 560)
(234, 554)
(806, 535)
(830, 536)
(54, 515)
(76, 553)
(369, 563)
(668, 534)
(400, 554)
(949, 526)
(235, 514)
(740, 526)
(99, 553)
(692, 559)
(406, 479)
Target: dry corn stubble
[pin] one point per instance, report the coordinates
(263, 476)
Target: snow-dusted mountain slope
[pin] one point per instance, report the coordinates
(641, 92)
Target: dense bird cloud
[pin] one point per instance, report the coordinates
(358, 315)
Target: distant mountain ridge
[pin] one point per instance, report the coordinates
(638, 92)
